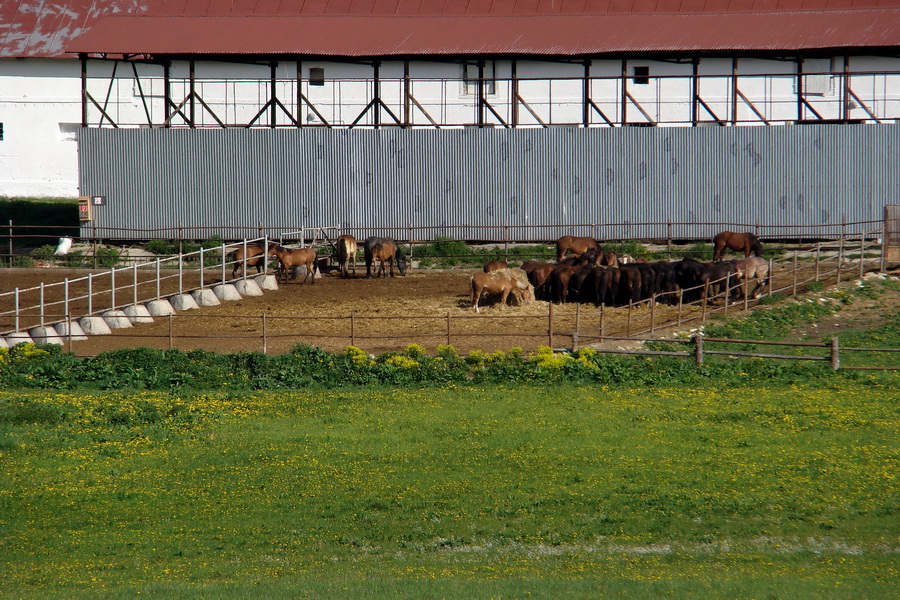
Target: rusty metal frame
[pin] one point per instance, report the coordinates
(186, 109)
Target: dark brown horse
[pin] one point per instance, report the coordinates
(538, 273)
(346, 251)
(575, 245)
(383, 250)
(745, 242)
(296, 257)
(254, 258)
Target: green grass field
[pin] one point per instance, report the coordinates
(544, 491)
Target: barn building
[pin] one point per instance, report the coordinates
(475, 119)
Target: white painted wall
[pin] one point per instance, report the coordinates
(40, 110)
(40, 106)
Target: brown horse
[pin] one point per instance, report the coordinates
(745, 242)
(254, 258)
(296, 257)
(495, 265)
(384, 250)
(501, 282)
(346, 251)
(576, 245)
(537, 273)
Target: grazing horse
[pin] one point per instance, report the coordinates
(495, 265)
(576, 245)
(756, 268)
(346, 251)
(254, 258)
(501, 282)
(537, 272)
(290, 258)
(720, 277)
(384, 250)
(746, 242)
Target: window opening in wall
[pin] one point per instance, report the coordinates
(470, 78)
(821, 81)
(642, 75)
(316, 76)
(1, 132)
(68, 132)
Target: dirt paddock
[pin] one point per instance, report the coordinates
(379, 315)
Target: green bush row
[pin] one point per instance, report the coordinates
(27, 366)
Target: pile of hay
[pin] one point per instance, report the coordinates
(516, 298)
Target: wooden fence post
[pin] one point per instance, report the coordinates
(602, 321)
(506, 241)
(352, 329)
(550, 325)
(727, 292)
(577, 325)
(628, 326)
(835, 354)
(448, 327)
(652, 313)
(841, 249)
(746, 292)
(818, 255)
(265, 335)
(669, 240)
(698, 349)
(171, 344)
(704, 302)
(862, 255)
(680, 303)
(794, 289)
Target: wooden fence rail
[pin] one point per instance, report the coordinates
(698, 345)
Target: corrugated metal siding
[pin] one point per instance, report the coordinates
(459, 182)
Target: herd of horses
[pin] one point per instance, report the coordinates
(583, 272)
(381, 250)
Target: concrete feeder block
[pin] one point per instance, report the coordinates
(183, 302)
(94, 326)
(116, 319)
(17, 337)
(66, 327)
(205, 297)
(160, 308)
(225, 292)
(266, 282)
(247, 287)
(138, 313)
(45, 335)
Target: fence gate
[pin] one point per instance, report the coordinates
(892, 233)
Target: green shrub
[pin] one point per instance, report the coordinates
(107, 257)
(43, 252)
(815, 286)
(775, 298)
(161, 247)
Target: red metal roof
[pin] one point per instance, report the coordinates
(450, 35)
(50, 28)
